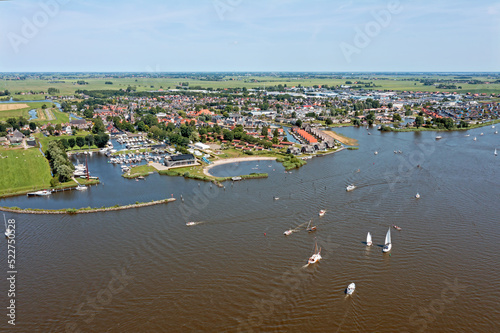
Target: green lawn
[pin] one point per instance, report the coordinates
(23, 170)
(44, 140)
(141, 170)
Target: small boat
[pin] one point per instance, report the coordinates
(276, 198)
(397, 228)
(395, 152)
(492, 126)
(481, 134)
(81, 187)
(322, 212)
(189, 224)
(467, 135)
(316, 255)
(350, 289)
(8, 232)
(417, 196)
(496, 132)
(369, 239)
(439, 137)
(141, 177)
(496, 152)
(369, 133)
(376, 152)
(387, 245)
(40, 193)
(310, 228)
(234, 179)
(350, 188)
(475, 139)
(288, 232)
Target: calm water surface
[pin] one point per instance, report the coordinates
(235, 270)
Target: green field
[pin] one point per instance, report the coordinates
(382, 82)
(59, 117)
(23, 170)
(44, 140)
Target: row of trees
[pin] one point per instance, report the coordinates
(62, 168)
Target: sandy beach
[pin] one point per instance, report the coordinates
(235, 160)
(345, 140)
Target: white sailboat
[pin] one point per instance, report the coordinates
(387, 245)
(8, 232)
(417, 196)
(316, 255)
(350, 289)
(322, 212)
(369, 239)
(496, 152)
(475, 139)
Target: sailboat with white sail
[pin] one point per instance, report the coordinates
(350, 289)
(369, 239)
(316, 255)
(496, 152)
(310, 228)
(387, 245)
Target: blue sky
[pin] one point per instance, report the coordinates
(249, 35)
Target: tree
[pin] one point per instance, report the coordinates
(59, 127)
(89, 113)
(50, 129)
(294, 114)
(328, 121)
(89, 140)
(275, 133)
(101, 140)
(98, 126)
(64, 143)
(142, 127)
(71, 142)
(419, 121)
(298, 123)
(80, 141)
(396, 117)
(32, 126)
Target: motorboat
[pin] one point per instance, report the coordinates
(439, 137)
(41, 193)
(316, 255)
(387, 244)
(350, 289)
(417, 196)
(322, 212)
(376, 152)
(397, 228)
(288, 232)
(81, 187)
(350, 188)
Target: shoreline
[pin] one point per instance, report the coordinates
(235, 160)
(72, 211)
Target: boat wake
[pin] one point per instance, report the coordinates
(190, 224)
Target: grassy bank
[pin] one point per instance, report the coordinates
(85, 210)
(138, 171)
(342, 138)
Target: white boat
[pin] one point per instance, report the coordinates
(496, 132)
(8, 232)
(467, 135)
(387, 245)
(475, 139)
(316, 255)
(276, 198)
(350, 188)
(288, 232)
(496, 152)
(369, 239)
(492, 126)
(417, 196)
(481, 134)
(236, 178)
(322, 212)
(350, 289)
(40, 193)
(81, 187)
(376, 152)
(439, 137)
(189, 224)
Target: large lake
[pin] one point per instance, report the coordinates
(236, 270)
